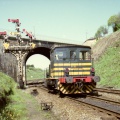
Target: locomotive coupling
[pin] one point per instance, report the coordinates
(96, 78)
(78, 84)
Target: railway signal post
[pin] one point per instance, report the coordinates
(19, 51)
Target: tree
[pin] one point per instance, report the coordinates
(102, 30)
(97, 35)
(30, 66)
(114, 21)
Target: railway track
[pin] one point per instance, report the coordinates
(107, 106)
(104, 99)
(107, 90)
(34, 82)
(102, 106)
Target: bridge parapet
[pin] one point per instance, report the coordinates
(7, 47)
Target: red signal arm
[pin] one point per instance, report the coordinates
(27, 33)
(3, 33)
(13, 20)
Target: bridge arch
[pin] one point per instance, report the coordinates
(39, 50)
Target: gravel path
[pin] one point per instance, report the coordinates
(63, 109)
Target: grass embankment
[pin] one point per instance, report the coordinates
(34, 73)
(108, 67)
(16, 104)
(12, 100)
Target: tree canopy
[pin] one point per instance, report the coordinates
(102, 30)
(114, 22)
(28, 66)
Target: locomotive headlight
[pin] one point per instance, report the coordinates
(96, 78)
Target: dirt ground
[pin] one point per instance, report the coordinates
(63, 108)
(101, 45)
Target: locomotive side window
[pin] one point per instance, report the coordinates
(59, 55)
(72, 54)
(84, 55)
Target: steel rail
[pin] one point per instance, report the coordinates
(107, 90)
(34, 82)
(100, 108)
(94, 106)
(104, 99)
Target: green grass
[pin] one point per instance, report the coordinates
(108, 67)
(34, 73)
(14, 105)
(12, 108)
(15, 110)
(6, 85)
(19, 105)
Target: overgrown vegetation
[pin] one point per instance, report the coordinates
(113, 21)
(12, 104)
(108, 67)
(18, 105)
(6, 85)
(102, 30)
(15, 109)
(34, 73)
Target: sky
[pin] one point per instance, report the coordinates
(70, 21)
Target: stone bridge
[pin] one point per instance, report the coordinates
(21, 53)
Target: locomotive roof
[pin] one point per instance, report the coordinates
(68, 46)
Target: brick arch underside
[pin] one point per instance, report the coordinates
(41, 50)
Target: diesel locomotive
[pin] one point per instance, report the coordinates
(71, 70)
